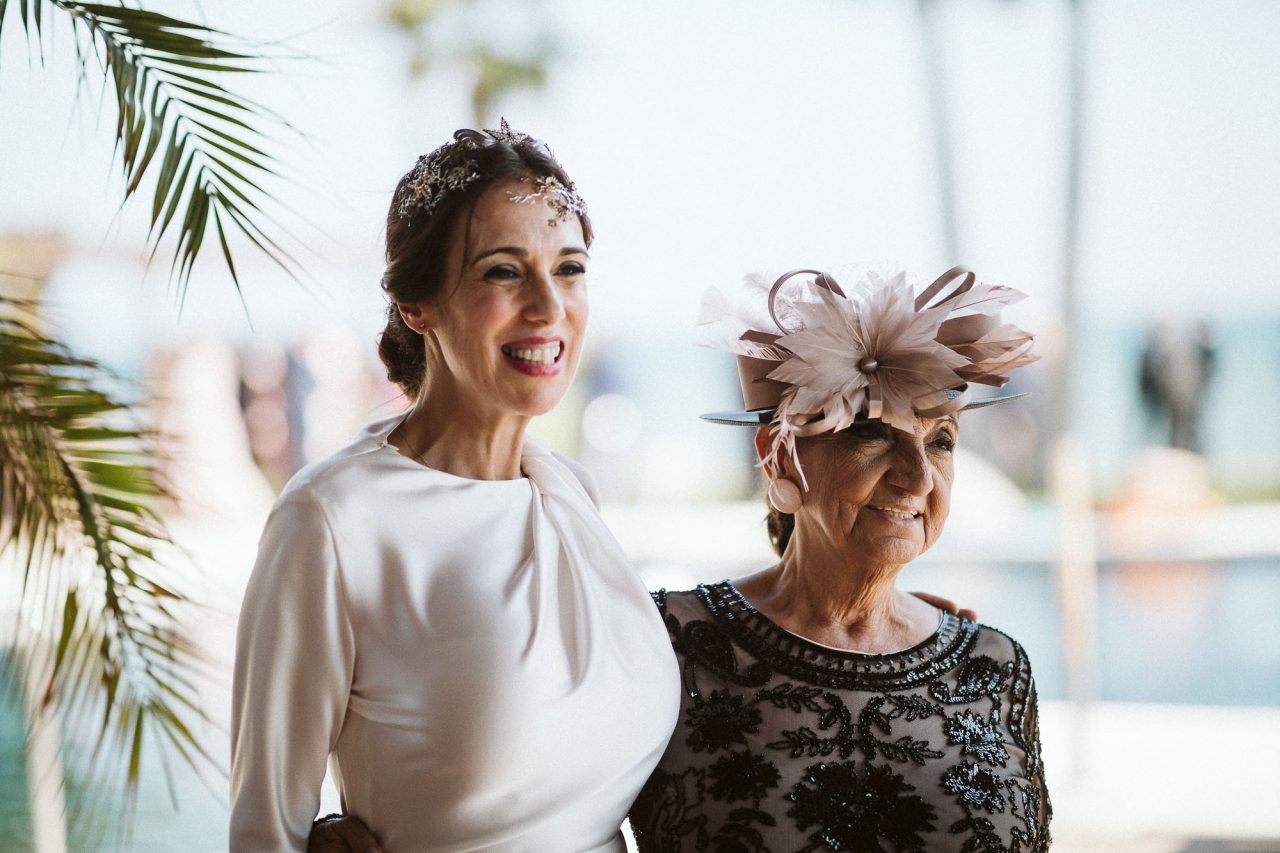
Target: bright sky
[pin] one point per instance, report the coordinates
(716, 137)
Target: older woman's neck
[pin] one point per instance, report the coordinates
(838, 601)
(840, 589)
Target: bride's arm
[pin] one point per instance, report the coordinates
(294, 660)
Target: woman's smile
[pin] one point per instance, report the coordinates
(536, 356)
(900, 515)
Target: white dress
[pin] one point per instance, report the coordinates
(476, 656)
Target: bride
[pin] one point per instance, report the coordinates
(438, 608)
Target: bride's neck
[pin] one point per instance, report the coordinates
(457, 437)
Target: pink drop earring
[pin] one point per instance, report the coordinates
(785, 496)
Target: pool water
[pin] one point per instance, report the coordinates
(1197, 633)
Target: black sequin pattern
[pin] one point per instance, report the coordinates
(784, 745)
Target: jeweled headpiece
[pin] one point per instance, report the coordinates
(563, 201)
(452, 168)
(813, 358)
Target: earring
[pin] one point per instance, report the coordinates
(785, 496)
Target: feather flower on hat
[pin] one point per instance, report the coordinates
(973, 329)
(881, 351)
(732, 320)
(872, 350)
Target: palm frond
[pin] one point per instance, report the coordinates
(79, 484)
(176, 120)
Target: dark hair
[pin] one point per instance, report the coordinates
(418, 242)
(780, 525)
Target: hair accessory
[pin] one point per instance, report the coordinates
(446, 169)
(563, 201)
(505, 134)
(880, 352)
(451, 168)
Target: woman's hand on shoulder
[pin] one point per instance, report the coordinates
(947, 605)
(341, 834)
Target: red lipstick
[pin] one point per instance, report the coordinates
(535, 356)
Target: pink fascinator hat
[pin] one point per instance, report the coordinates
(815, 355)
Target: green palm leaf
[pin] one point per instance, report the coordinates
(99, 624)
(177, 121)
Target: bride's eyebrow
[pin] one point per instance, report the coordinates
(522, 253)
(500, 250)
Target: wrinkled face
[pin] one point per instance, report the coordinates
(879, 492)
(506, 335)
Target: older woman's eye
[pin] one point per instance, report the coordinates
(944, 441)
(571, 268)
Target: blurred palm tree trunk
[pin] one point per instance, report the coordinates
(1071, 482)
(26, 261)
(937, 96)
(46, 784)
(1068, 462)
(1066, 380)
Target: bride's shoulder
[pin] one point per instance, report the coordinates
(364, 460)
(582, 474)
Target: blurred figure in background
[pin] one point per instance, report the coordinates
(266, 403)
(1177, 363)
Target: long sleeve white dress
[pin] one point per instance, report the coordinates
(476, 657)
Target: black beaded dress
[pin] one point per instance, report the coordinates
(789, 746)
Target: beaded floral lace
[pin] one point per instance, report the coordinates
(785, 745)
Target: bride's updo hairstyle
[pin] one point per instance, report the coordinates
(436, 196)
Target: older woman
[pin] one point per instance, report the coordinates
(822, 708)
(438, 607)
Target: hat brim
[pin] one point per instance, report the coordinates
(763, 417)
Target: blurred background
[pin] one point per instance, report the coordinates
(1116, 161)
